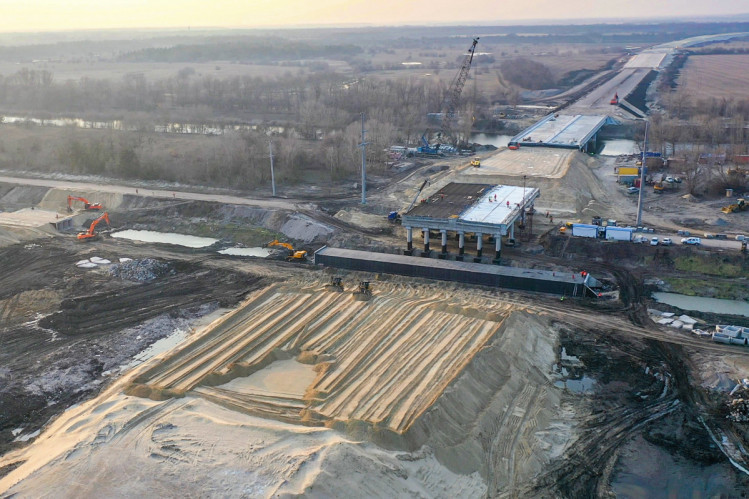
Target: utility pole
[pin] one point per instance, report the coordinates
(363, 146)
(272, 174)
(642, 178)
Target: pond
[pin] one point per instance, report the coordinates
(703, 304)
(150, 236)
(257, 251)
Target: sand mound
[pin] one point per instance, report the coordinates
(57, 199)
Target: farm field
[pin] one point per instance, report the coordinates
(718, 76)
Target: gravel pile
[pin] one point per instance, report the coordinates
(141, 270)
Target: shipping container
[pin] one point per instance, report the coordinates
(619, 233)
(626, 170)
(585, 230)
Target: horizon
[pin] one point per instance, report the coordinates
(50, 16)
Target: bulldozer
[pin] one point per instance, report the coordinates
(364, 292)
(739, 205)
(294, 255)
(336, 284)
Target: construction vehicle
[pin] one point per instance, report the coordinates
(615, 100)
(450, 102)
(476, 162)
(364, 292)
(427, 150)
(87, 205)
(658, 188)
(395, 217)
(336, 284)
(91, 234)
(739, 205)
(294, 255)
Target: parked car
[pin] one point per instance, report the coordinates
(709, 235)
(666, 241)
(654, 241)
(740, 237)
(683, 232)
(633, 190)
(639, 239)
(721, 236)
(695, 241)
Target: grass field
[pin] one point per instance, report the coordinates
(719, 76)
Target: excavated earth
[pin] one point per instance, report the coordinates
(280, 385)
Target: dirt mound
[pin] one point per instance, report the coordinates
(57, 199)
(14, 197)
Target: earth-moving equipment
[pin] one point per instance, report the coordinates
(336, 284)
(476, 162)
(87, 205)
(364, 292)
(90, 234)
(395, 217)
(739, 205)
(294, 255)
(615, 100)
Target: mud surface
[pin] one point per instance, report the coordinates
(64, 329)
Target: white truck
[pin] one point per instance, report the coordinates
(619, 233)
(585, 230)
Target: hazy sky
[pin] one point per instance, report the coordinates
(48, 15)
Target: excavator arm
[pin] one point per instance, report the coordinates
(91, 232)
(86, 203)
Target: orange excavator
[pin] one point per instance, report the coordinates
(90, 233)
(294, 255)
(86, 204)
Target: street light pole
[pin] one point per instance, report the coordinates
(642, 178)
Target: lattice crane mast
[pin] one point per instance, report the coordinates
(450, 103)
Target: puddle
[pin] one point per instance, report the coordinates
(259, 252)
(27, 437)
(582, 385)
(150, 236)
(703, 304)
(156, 348)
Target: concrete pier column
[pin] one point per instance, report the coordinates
(444, 242)
(426, 240)
(410, 238)
(479, 243)
(512, 231)
(461, 243)
(498, 247)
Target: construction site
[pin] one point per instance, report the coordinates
(432, 335)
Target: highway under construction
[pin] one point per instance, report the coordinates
(233, 344)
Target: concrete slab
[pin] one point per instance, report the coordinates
(529, 161)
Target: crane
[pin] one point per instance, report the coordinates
(450, 102)
(86, 203)
(90, 233)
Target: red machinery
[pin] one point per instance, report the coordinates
(90, 233)
(86, 204)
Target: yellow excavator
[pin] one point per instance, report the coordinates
(294, 255)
